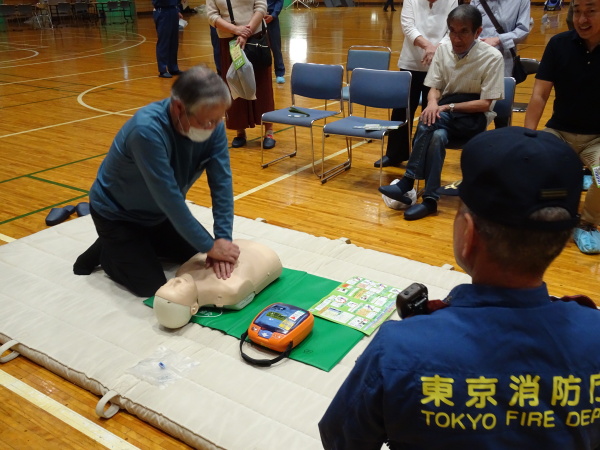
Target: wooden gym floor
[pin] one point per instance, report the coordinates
(65, 92)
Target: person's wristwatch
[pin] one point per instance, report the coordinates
(451, 105)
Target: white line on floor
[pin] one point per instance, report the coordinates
(289, 174)
(6, 238)
(61, 412)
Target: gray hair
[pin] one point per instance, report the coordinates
(200, 87)
(526, 251)
(466, 13)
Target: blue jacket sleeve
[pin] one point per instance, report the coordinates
(218, 172)
(274, 7)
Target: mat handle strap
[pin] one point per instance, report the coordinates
(12, 355)
(263, 362)
(112, 409)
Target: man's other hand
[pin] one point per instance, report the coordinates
(222, 257)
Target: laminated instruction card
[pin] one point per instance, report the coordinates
(358, 303)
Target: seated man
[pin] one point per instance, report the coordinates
(196, 284)
(465, 77)
(503, 365)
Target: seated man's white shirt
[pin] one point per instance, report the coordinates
(480, 71)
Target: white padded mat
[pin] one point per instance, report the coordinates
(91, 332)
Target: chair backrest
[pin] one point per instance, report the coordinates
(318, 81)
(504, 108)
(7, 10)
(367, 57)
(25, 10)
(80, 7)
(530, 65)
(380, 88)
(63, 8)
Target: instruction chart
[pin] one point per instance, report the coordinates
(358, 303)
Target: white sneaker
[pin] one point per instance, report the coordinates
(395, 204)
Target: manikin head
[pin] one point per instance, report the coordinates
(176, 301)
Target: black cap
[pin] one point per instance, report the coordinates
(510, 173)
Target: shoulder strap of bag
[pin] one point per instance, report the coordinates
(490, 14)
(230, 11)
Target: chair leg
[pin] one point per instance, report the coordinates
(326, 175)
(262, 149)
(381, 165)
(312, 149)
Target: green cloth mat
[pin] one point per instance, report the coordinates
(324, 347)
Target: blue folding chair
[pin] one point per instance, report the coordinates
(384, 89)
(365, 57)
(531, 67)
(311, 81)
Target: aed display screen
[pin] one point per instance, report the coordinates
(281, 318)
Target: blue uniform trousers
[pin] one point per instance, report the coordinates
(167, 30)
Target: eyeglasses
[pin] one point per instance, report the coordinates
(461, 33)
(209, 125)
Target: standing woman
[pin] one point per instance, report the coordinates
(424, 26)
(248, 15)
(514, 17)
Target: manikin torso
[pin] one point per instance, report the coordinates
(195, 285)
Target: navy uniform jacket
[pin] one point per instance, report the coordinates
(498, 369)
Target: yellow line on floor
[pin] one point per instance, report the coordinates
(61, 412)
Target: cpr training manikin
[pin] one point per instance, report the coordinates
(195, 285)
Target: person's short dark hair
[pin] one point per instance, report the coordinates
(466, 13)
(522, 250)
(199, 87)
(523, 189)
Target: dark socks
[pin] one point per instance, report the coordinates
(88, 260)
(430, 204)
(406, 184)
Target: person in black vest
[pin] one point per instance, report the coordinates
(166, 18)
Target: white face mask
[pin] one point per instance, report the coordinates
(196, 134)
(199, 134)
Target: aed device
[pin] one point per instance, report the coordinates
(279, 327)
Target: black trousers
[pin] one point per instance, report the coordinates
(397, 145)
(131, 254)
